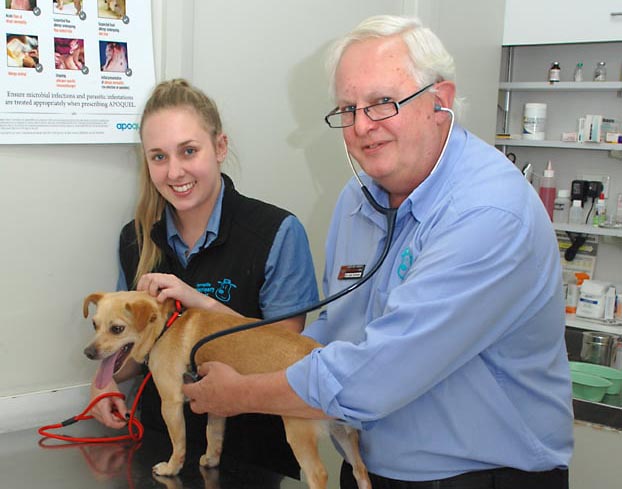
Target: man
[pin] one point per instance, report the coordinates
(452, 359)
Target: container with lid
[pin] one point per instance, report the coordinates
(561, 208)
(597, 347)
(534, 120)
(600, 72)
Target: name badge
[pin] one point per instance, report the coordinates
(349, 272)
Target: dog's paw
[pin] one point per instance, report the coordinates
(210, 460)
(166, 468)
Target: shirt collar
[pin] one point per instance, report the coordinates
(211, 231)
(421, 200)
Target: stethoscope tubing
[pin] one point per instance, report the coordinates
(390, 214)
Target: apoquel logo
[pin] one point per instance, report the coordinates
(129, 126)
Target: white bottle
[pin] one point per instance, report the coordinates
(576, 213)
(561, 206)
(600, 215)
(618, 218)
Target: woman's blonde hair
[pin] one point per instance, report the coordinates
(166, 95)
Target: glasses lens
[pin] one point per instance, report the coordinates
(341, 119)
(381, 111)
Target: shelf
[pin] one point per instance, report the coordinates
(585, 324)
(543, 143)
(561, 86)
(587, 229)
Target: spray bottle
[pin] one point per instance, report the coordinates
(547, 190)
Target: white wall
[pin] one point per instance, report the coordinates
(65, 204)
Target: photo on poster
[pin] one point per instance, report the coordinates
(22, 50)
(20, 4)
(67, 7)
(111, 9)
(68, 53)
(113, 56)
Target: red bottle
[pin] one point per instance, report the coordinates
(547, 191)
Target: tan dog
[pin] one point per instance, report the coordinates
(129, 324)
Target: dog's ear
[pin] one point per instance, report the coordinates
(144, 312)
(94, 299)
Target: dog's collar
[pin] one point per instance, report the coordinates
(169, 322)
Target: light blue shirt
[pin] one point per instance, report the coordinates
(452, 358)
(289, 275)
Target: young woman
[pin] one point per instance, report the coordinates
(196, 239)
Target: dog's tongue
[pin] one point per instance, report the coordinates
(105, 371)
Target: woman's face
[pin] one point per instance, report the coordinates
(183, 160)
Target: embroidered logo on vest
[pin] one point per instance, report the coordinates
(222, 292)
(405, 263)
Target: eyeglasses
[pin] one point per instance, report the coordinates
(377, 112)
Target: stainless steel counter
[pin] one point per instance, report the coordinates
(29, 462)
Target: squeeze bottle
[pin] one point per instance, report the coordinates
(547, 190)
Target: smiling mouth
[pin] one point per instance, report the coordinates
(373, 146)
(183, 188)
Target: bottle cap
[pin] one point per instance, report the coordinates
(549, 172)
(576, 203)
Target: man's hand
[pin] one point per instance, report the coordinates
(220, 391)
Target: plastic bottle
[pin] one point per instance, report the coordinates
(600, 73)
(574, 291)
(618, 217)
(600, 214)
(554, 72)
(547, 190)
(578, 72)
(576, 213)
(561, 207)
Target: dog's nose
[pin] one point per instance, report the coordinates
(90, 352)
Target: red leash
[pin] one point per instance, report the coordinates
(135, 428)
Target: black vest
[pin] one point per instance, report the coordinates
(230, 270)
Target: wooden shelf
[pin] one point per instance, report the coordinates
(543, 143)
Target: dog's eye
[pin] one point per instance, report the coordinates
(117, 329)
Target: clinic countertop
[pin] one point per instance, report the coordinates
(29, 462)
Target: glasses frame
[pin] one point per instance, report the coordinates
(366, 110)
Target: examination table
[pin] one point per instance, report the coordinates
(27, 461)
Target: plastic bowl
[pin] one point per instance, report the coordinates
(588, 387)
(613, 375)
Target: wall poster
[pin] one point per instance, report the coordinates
(75, 71)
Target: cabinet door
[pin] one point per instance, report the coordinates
(561, 21)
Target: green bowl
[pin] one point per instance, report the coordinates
(613, 375)
(588, 387)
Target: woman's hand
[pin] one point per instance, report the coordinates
(105, 409)
(164, 286)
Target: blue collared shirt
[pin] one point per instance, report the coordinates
(452, 357)
(289, 275)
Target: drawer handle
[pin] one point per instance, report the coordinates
(616, 14)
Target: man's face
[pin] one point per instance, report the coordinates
(399, 152)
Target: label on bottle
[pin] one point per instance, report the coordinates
(554, 74)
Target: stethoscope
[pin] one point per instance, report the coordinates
(390, 214)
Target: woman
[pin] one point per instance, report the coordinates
(196, 239)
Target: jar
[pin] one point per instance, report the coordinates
(561, 206)
(600, 73)
(554, 73)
